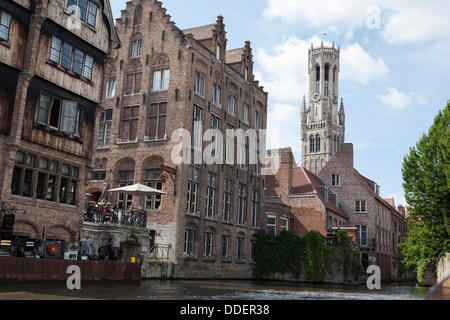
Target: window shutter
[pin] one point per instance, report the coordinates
(68, 116)
(44, 106)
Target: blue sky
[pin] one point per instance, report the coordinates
(395, 71)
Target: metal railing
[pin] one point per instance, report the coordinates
(126, 217)
(160, 252)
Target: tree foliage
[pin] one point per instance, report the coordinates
(426, 176)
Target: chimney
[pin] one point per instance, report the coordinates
(287, 167)
(346, 151)
(401, 209)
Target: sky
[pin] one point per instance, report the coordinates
(394, 77)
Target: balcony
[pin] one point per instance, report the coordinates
(108, 215)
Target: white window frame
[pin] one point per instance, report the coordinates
(199, 85)
(161, 79)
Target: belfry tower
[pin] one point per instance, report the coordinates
(322, 119)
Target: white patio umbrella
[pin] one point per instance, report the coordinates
(138, 190)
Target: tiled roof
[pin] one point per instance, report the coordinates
(201, 33)
(235, 55)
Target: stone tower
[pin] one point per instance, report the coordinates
(322, 119)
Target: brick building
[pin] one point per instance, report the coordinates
(298, 200)
(380, 226)
(164, 79)
(52, 55)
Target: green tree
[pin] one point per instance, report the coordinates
(426, 176)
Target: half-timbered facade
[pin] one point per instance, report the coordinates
(52, 56)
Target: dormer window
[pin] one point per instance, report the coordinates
(85, 10)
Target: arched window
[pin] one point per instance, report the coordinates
(327, 73)
(317, 73)
(312, 144)
(317, 143)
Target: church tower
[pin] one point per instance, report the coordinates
(322, 118)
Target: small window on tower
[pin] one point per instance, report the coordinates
(317, 73)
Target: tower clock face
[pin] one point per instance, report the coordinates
(317, 97)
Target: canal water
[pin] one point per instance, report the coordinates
(208, 290)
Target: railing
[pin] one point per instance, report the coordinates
(126, 217)
(160, 252)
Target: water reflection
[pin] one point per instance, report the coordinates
(209, 290)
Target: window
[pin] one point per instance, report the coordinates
(272, 224)
(245, 117)
(66, 60)
(161, 80)
(255, 208)
(63, 115)
(88, 67)
(239, 248)
(199, 85)
(335, 180)
(230, 144)
(317, 143)
(312, 144)
(224, 253)
(197, 127)
(360, 206)
(217, 93)
(211, 195)
(71, 58)
(232, 105)
(189, 242)
(129, 124)
(241, 204)
(104, 129)
(156, 128)
(126, 178)
(78, 62)
(5, 25)
(226, 209)
(111, 87)
(284, 223)
(215, 136)
(99, 173)
(133, 83)
(153, 179)
(317, 74)
(218, 48)
(327, 73)
(92, 14)
(136, 48)
(55, 49)
(326, 90)
(192, 197)
(35, 177)
(208, 244)
(85, 10)
(244, 144)
(258, 120)
(362, 235)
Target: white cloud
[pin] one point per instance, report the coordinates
(416, 21)
(284, 121)
(320, 13)
(395, 99)
(397, 21)
(399, 100)
(357, 64)
(284, 74)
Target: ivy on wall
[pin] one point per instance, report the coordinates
(287, 252)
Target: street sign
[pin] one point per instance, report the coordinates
(169, 169)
